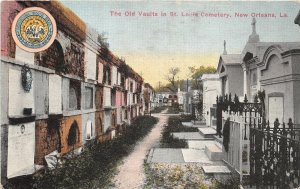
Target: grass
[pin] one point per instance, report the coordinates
(180, 176)
(175, 125)
(96, 166)
(183, 176)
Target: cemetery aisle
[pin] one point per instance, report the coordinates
(131, 172)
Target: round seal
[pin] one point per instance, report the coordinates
(34, 29)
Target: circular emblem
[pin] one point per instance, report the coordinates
(34, 29)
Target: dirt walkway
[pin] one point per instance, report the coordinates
(131, 173)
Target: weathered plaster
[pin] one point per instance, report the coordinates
(18, 98)
(55, 94)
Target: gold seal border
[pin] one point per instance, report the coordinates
(14, 35)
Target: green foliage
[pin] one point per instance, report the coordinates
(195, 74)
(174, 110)
(180, 176)
(96, 166)
(226, 134)
(103, 40)
(231, 183)
(166, 87)
(175, 125)
(159, 109)
(198, 72)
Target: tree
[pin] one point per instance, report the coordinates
(103, 40)
(197, 84)
(171, 78)
(196, 74)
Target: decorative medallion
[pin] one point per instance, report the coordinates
(22, 128)
(34, 29)
(26, 78)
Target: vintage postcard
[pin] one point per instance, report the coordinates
(150, 94)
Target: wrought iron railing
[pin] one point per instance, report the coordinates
(274, 156)
(274, 147)
(225, 103)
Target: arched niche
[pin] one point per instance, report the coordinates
(89, 130)
(52, 58)
(73, 136)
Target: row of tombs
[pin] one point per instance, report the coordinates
(57, 116)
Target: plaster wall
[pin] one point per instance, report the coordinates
(90, 59)
(275, 68)
(107, 96)
(100, 72)
(235, 80)
(65, 93)
(286, 91)
(18, 98)
(114, 76)
(55, 94)
(21, 149)
(41, 91)
(118, 98)
(211, 89)
(24, 56)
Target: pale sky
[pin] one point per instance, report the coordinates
(151, 44)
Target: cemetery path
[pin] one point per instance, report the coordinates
(131, 172)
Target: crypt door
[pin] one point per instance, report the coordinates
(275, 109)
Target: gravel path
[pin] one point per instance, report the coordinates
(131, 172)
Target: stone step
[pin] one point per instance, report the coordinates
(199, 122)
(191, 124)
(195, 156)
(150, 155)
(207, 132)
(219, 141)
(220, 172)
(214, 152)
(188, 136)
(199, 144)
(213, 169)
(187, 124)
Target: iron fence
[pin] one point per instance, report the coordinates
(274, 155)
(274, 147)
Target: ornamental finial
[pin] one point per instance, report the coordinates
(253, 26)
(224, 52)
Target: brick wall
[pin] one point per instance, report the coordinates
(64, 133)
(52, 58)
(114, 119)
(99, 97)
(99, 123)
(8, 12)
(46, 140)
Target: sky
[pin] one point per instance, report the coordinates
(153, 44)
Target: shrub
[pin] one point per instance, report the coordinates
(164, 175)
(174, 110)
(96, 166)
(174, 125)
(158, 109)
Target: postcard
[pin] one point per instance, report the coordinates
(150, 94)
